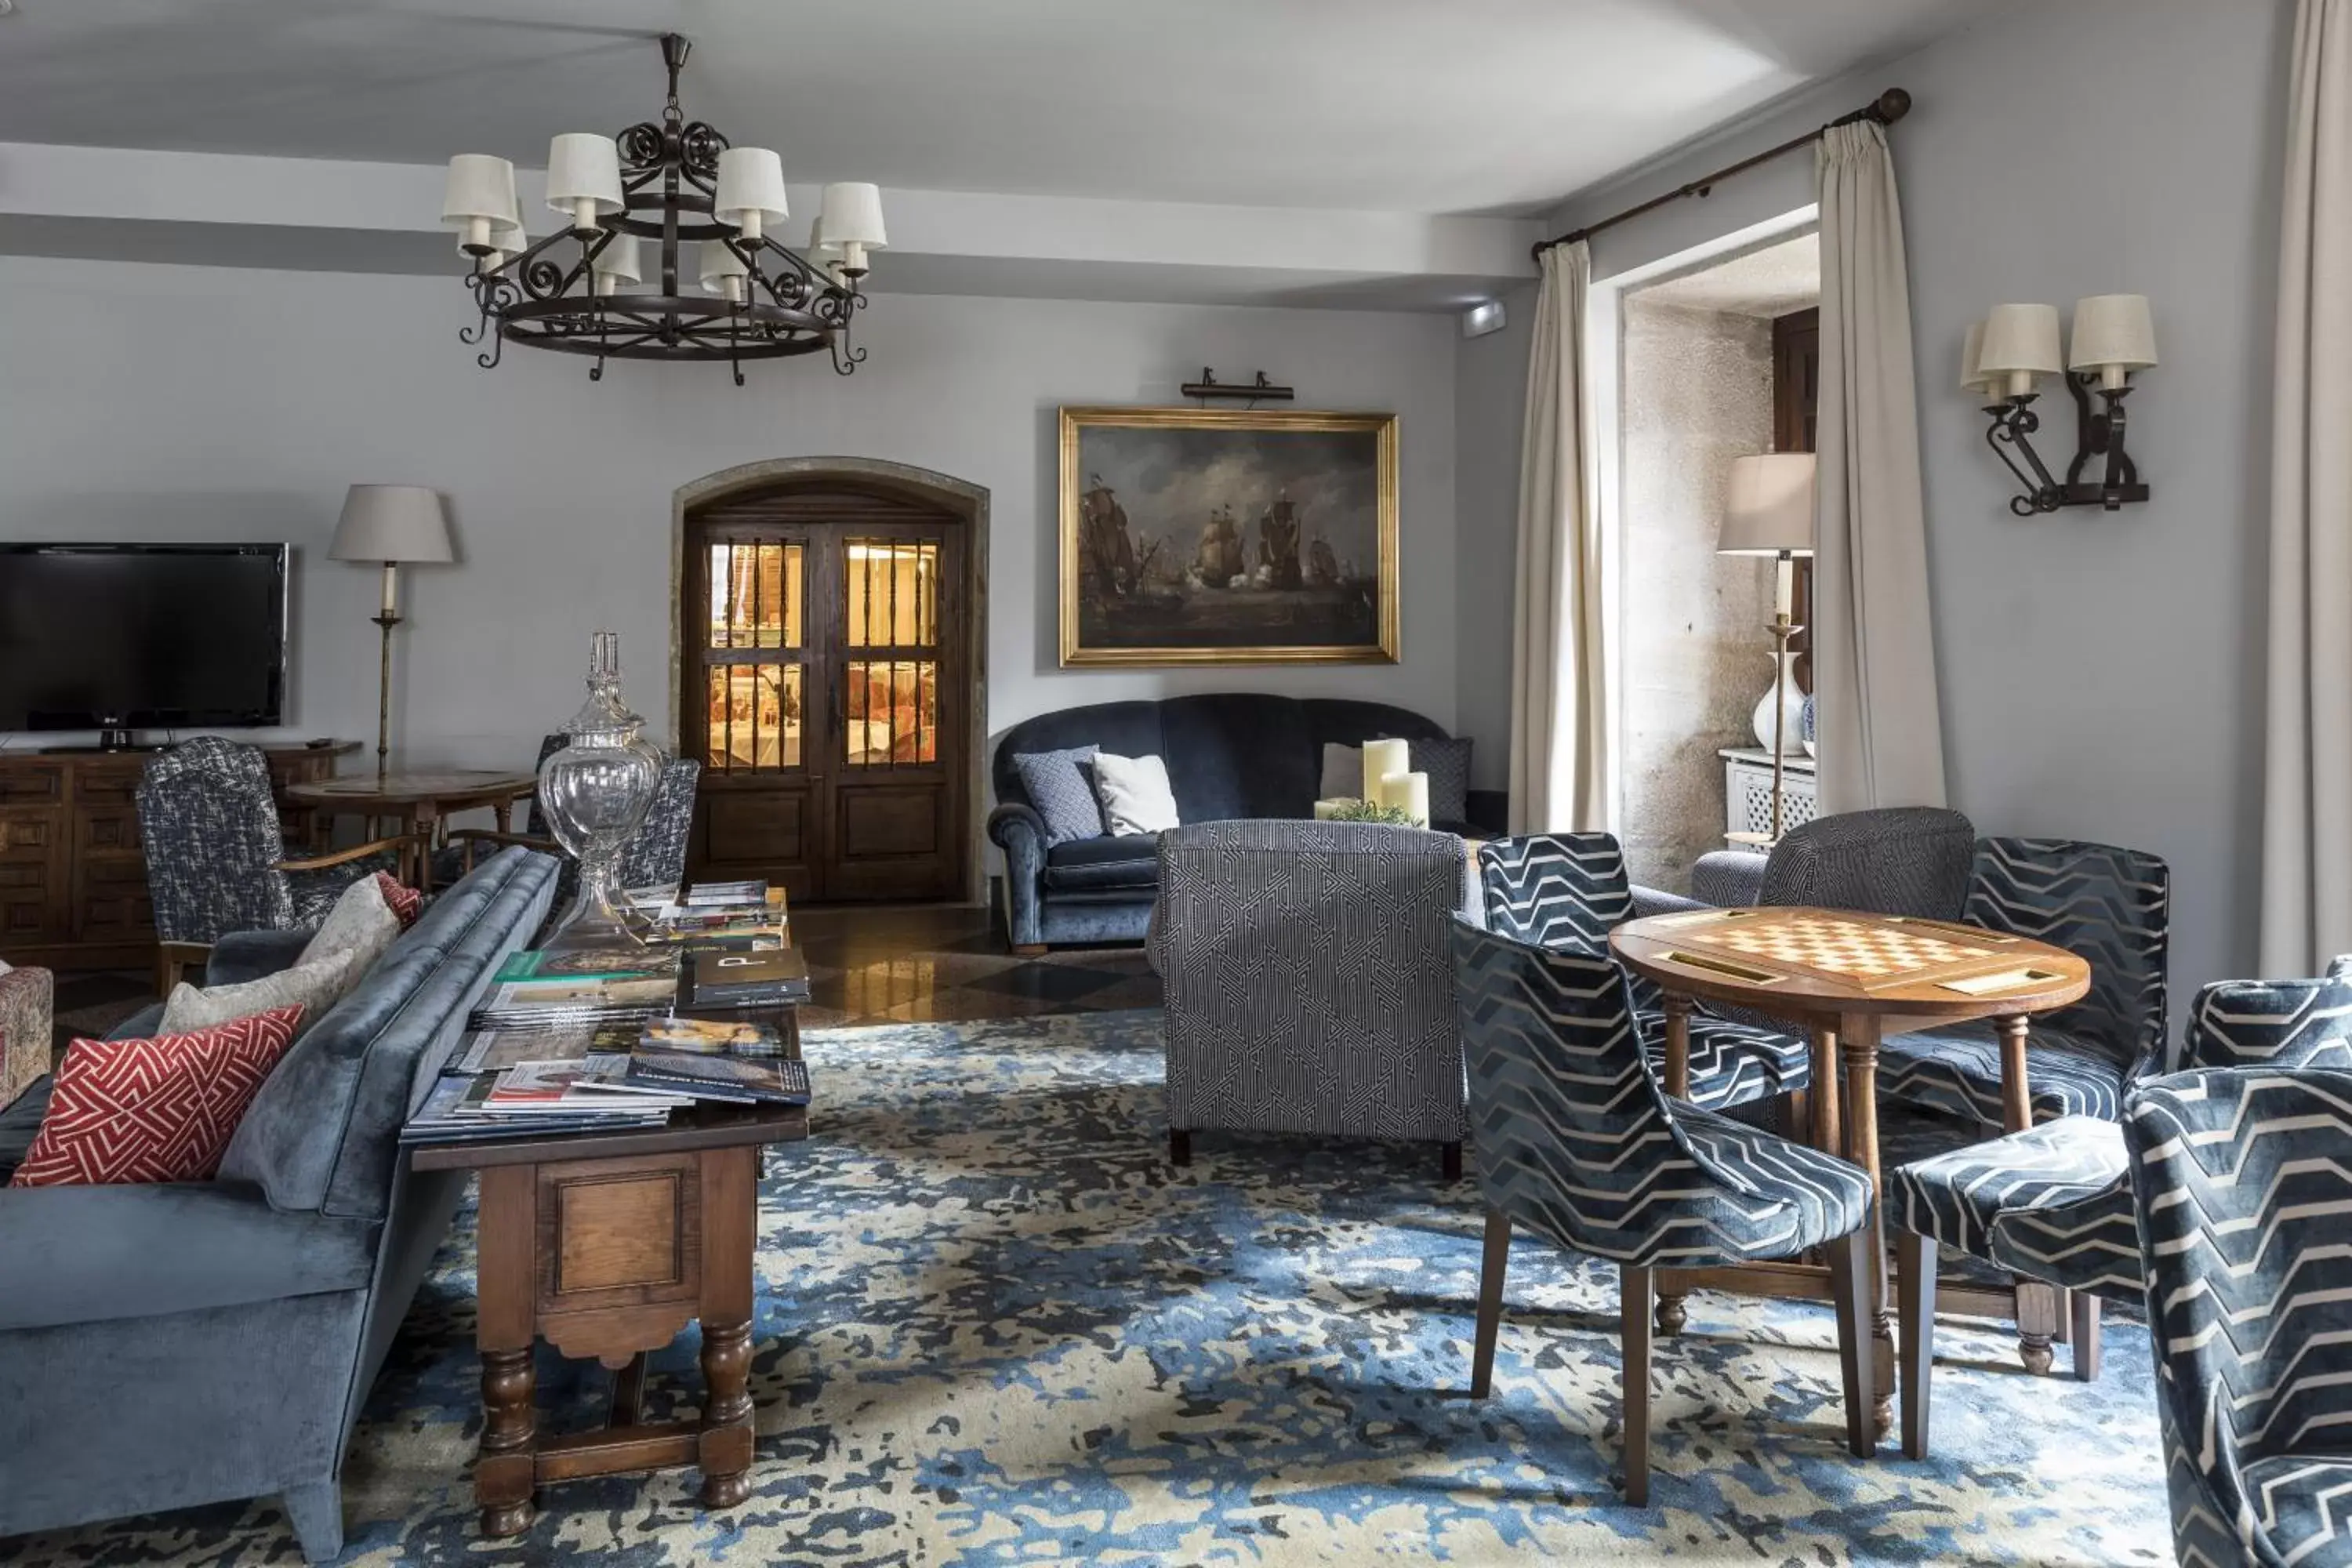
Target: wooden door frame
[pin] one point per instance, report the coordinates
(965, 501)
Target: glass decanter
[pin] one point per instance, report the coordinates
(593, 793)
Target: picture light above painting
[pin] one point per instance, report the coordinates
(1228, 536)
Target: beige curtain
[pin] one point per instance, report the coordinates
(2306, 915)
(1880, 729)
(1559, 710)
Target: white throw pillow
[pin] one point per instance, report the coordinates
(360, 922)
(315, 988)
(1134, 793)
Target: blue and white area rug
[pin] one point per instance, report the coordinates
(996, 1328)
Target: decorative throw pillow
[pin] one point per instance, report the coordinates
(1447, 764)
(160, 1110)
(360, 921)
(405, 904)
(1134, 793)
(314, 987)
(1343, 772)
(1056, 785)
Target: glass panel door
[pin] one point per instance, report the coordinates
(756, 650)
(891, 626)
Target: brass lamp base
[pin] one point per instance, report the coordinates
(387, 620)
(1782, 630)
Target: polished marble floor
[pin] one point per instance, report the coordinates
(926, 964)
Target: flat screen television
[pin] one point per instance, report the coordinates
(118, 636)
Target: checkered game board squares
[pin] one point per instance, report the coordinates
(1873, 953)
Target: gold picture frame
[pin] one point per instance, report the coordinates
(1159, 585)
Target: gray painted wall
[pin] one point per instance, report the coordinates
(1489, 426)
(187, 401)
(2101, 676)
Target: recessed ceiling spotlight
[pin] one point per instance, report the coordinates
(1487, 316)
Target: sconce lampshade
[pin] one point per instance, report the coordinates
(2113, 330)
(1972, 379)
(392, 522)
(1770, 506)
(2020, 339)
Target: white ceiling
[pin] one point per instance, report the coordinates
(1408, 106)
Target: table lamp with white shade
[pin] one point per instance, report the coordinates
(392, 525)
(1769, 511)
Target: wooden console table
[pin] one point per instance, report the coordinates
(73, 875)
(606, 1245)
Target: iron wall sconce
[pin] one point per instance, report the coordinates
(2003, 361)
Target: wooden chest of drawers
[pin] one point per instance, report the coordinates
(73, 878)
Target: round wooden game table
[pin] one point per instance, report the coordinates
(1848, 979)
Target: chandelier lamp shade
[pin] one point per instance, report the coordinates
(641, 215)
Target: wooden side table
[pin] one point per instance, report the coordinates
(421, 802)
(1847, 979)
(606, 1245)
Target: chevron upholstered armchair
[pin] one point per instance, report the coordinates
(1305, 980)
(2055, 1203)
(1569, 890)
(1578, 1141)
(2113, 908)
(2242, 1178)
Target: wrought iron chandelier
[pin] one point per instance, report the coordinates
(706, 205)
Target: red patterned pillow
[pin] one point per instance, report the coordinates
(154, 1111)
(405, 904)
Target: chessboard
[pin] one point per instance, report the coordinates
(1873, 953)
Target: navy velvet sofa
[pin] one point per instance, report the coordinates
(201, 1341)
(1231, 756)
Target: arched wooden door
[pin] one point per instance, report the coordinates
(825, 692)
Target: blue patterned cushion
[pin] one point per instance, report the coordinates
(1957, 1070)
(1447, 764)
(2051, 1203)
(1057, 786)
(1577, 1140)
(2242, 1181)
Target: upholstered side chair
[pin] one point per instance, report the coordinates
(1890, 860)
(2111, 907)
(1568, 891)
(1304, 965)
(2053, 1204)
(2241, 1179)
(217, 854)
(1579, 1141)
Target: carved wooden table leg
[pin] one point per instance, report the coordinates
(2037, 1303)
(503, 1470)
(1858, 1043)
(731, 1234)
(1672, 1315)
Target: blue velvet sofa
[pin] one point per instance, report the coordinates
(192, 1342)
(1229, 756)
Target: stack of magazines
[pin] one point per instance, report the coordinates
(751, 912)
(545, 989)
(530, 1100)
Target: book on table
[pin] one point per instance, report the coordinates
(494, 1050)
(749, 891)
(560, 998)
(770, 1080)
(712, 1036)
(456, 1110)
(598, 1083)
(713, 975)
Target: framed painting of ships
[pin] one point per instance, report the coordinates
(1223, 536)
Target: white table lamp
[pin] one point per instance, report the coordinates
(1769, 511)
(390, 525)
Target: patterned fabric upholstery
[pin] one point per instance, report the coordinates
(2054, 1202)
(1307, 984)
(1569, 890)
(1893, 860)
(209, 828)
(2112, 907)
(1577, 1139)
(656, 858)
(2242, 1178)
(26, 999)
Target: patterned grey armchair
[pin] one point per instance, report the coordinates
(1579, 1141)
(1893, 861)
(216, 857)
(1307, 988)
(2243, 1180)
(2053, 1203)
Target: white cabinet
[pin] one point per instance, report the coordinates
(1747, 790)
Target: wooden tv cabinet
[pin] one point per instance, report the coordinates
(73, 878)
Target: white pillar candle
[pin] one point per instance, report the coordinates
(391, 589)
(1383, 758)
(1784, 584)
(1325, 810)
(1410, 791)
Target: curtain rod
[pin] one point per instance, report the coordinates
(1885, 110)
